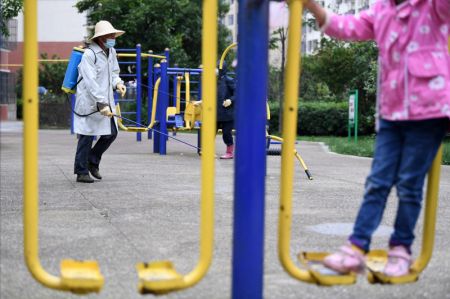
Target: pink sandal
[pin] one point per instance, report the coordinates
(399, 261)
(348, 259)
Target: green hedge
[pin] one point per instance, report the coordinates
(324, 118)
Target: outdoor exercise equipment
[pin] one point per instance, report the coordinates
(146, 128)
(161, 277)
(314, 272)
(76, 276)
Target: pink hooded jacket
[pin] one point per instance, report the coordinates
(414, 63)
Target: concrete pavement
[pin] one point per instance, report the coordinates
(147, 208)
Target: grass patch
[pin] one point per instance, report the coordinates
(364, 147)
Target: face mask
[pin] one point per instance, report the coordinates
(110, 43)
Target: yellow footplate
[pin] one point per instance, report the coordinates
(313, 261)
(158, 277)
(375, 262)
(137, 129)
(81, 277)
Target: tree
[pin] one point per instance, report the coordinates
(157, 24)
(9, 9)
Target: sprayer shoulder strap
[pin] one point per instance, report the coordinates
(95, 62)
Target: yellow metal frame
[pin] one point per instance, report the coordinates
(179, 78)
(296, 154)
(76, 277)
(376, 257)
(153, 116)
(142, 55)
(161, 277)
(224, 54)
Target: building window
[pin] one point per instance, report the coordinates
(230, 20)
(7, 84)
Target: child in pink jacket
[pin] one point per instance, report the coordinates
(413, 105)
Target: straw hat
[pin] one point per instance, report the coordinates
(104, 28)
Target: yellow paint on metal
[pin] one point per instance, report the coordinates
(81, 277)
(155, 102)
(153, 116)
(224, 54)
(321, 275)
(296, 153)
(187, 79)
(209, 58)
(142, 55)
(289, 136)
(179, 78)
(53, 60)
(30, 158)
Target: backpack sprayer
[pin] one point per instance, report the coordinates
(70, 78)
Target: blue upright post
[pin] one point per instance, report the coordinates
(149, 91)
(163, 101)
(166, 53)
(138, 88)
(72, 104)
(248, 231)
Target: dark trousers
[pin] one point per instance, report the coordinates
(227, 128)
(87, 155)
(404, 151)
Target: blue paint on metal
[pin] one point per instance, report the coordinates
(248, 232)
(139, 89)
(163, 101)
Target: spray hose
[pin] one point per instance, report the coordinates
(144, 126)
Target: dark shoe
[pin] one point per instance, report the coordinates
(84, 178)
(95, 173)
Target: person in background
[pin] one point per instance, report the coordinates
(98, 78)
(413, 111)
(226, 87)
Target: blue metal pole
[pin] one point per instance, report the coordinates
(149, 91)
(72, 115)
(157, 74)
(248, 231)
(139, 89)
(167, 54)
(163, 101)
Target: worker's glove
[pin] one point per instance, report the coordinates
(122, 89)
(197, 103)
(226, 103)
(106, 111)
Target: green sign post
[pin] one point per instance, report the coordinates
(353, 115)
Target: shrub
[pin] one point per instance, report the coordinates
(324, 118)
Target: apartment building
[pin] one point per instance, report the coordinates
(311, 36)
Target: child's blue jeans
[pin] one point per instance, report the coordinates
(404, 151)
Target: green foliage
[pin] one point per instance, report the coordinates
(364, 147)
(339, 67)
(9, 9)
(157, 24)
(342, 145)
(323, 118)
(51, 76)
